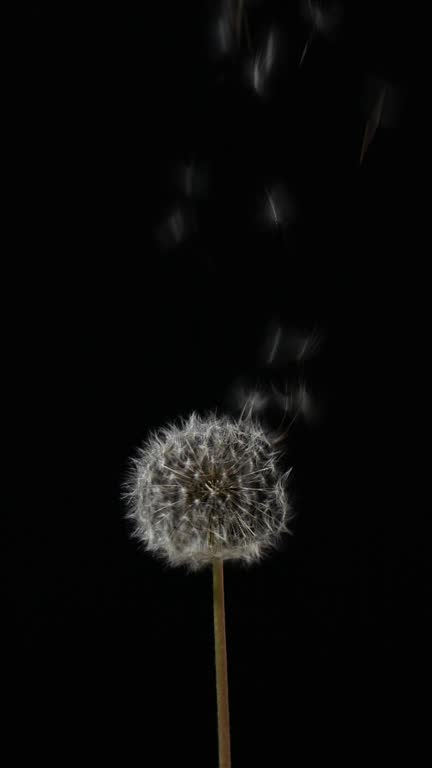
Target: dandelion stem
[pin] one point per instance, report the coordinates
(221, 665)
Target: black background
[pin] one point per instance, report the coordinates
(114, 333)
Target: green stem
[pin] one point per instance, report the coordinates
(221, 665)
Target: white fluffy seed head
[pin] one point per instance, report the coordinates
(208, 488)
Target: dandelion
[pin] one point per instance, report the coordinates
(208, 488)
(204, 491)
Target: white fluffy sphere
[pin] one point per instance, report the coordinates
(208, 488)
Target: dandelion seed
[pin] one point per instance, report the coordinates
(192, 180)
(262, 64)
(284, 345)
(372, 125)
(297, 401)
(176, 225)
(274, 345)
(174, 229)
(321, 22)
(384, 103)
(251, 401)
(277, 209)
(223, 32)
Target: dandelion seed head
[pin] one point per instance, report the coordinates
(221, 495)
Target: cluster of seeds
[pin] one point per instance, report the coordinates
(210, 487)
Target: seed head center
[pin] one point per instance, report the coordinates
(210, 483)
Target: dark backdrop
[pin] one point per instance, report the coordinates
(118, 328)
